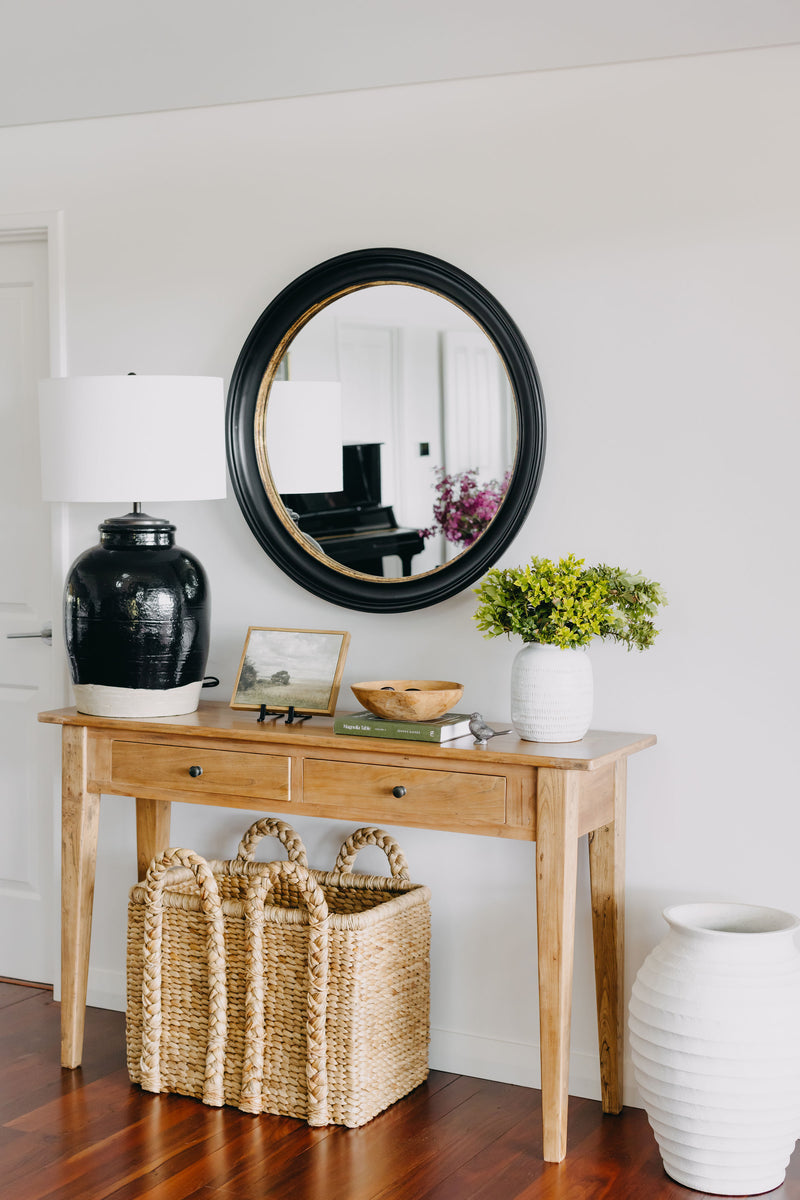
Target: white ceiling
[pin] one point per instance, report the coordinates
(67, 59)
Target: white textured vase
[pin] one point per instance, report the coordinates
(715, 1036)
(552, 693)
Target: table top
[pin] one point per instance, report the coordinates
(215, 719)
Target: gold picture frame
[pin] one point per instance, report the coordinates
(287, 669)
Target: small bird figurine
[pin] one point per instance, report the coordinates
(481, 731)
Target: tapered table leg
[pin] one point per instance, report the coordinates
(607, 872)
(556, 875)
(80, 813)
(152, 831)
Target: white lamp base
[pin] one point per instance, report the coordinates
(99, 700)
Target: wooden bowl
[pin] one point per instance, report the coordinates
(408, 699)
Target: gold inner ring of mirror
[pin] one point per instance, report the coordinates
(259, 423)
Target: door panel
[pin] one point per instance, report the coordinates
(26, 664)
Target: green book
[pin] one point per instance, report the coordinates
(366, 724)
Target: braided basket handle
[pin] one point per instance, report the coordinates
(213, 1091)
(316, 1037)
(272, 827)
(370, 835)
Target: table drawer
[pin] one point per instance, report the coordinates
(448, 796)
(222, 772)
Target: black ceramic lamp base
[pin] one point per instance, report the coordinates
(136, 621)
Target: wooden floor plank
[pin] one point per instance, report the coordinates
(218, 1159)
(15, 993)
(349, 1160)
(90, 1134)
(504, 1168)
(468, 1132)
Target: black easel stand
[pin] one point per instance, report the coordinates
(292, 717)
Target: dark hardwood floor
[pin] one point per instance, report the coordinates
(90, 1134)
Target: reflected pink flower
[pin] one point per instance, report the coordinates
(464, 507)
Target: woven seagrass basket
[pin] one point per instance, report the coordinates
(278, 989)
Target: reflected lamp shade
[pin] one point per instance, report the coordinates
(304, 436)
(136, 606)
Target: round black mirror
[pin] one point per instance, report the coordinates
(385, 430)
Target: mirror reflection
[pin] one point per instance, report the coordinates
(426, 424)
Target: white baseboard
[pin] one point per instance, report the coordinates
(506, 1062)
(106, 989)
(518, 1063)
(457, 1053)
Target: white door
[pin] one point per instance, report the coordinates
(477, 407)
(477, 410)
(370, 413)
(367, 358)
(28, 752)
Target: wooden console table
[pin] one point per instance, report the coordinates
(550, 794)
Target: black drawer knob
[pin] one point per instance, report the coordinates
(399, 791)
(195, 771)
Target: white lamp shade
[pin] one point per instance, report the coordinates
(132, 437)
(304, 436)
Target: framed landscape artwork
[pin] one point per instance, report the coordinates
(291, 668)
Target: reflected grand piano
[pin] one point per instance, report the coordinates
(353, 527)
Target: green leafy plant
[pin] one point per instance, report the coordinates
(567, 604)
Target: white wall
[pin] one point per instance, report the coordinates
(640, 223)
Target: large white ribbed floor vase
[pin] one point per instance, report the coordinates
(715, 1035)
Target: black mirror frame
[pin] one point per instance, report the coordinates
(264, 348)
